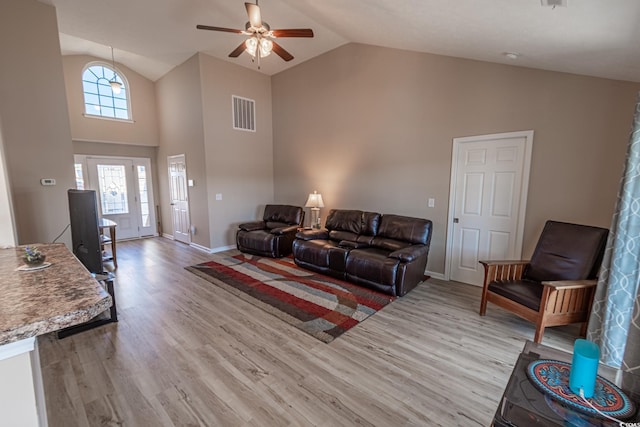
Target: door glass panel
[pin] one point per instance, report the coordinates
(79, 177)
(144, 197)
(113, 189)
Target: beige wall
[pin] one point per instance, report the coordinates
(371, 128)
(35, 120)
(7, 224)
(239, 163)
(143, 130)
(181, 127)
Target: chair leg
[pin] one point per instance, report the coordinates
(537, 338)
(540, 323)
(483, 306)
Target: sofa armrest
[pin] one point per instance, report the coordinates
(410, 253)
(350, 244)
(284, 230)
(252, 226)
(313, 234)
(570, 284)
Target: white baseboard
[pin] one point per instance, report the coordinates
(222, 248)
(168, 236)
(200, 247)
(435, 275)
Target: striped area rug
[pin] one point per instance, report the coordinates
(321, 306)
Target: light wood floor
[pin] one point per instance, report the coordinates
(187, 353)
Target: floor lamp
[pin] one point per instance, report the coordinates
(315, 203)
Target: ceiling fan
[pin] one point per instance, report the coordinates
(260, 42)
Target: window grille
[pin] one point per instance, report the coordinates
(244, 113)
(99, 98)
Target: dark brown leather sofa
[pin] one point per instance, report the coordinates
(274, 235)
(384, 252)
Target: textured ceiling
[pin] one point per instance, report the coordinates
(590, 37)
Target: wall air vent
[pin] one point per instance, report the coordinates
(244, 113)
(554, 3)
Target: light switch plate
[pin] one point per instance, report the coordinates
(218, 196)
(432, 203)
(190, 183)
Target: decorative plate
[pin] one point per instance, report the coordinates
(33, 268)
(552, 378)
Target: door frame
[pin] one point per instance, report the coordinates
(144, 161)
(522, 204)
(173, 234)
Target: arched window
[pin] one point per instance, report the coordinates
(100, 99)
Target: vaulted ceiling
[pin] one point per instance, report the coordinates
(591, 37)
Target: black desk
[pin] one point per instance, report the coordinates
(523, 405)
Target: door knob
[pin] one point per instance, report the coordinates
(456, 220)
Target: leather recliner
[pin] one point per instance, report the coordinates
(384, 252)
(274, 235)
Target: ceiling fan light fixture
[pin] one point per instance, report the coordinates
(251, 45)
(266, 46)
(116, 87)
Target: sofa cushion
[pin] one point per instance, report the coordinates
(274, 224)
(344, 220)
(372, 265)
(524, 292)
(252, 226)
(322, 253)
(258, 240)
(389, 244)
(285, 214)
(370, 223)
(410, 230)
(342, 235)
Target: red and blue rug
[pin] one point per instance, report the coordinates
(319, 305)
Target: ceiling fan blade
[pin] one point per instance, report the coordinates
(279, 50)
(295, 32)
(255, 18)
(226, 30)
(237, 51)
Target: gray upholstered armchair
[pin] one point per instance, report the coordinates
(557, 286)
(274, 235)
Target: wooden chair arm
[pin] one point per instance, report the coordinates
(504, 262)
(570, 284)
(503, 270)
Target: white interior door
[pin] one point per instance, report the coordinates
(489, 182)
(125, 194)
(179, 198)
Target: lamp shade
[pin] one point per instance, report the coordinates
(314, 201)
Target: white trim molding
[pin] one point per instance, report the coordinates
(18, 347)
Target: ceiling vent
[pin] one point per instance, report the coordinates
(554, 3)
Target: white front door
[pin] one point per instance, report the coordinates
(489, 182)
(125, 194)
(179, 198)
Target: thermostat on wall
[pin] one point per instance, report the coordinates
(48, 181)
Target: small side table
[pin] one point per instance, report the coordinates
(523, 405)
(103, 224)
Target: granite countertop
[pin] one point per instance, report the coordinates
(37, 302)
